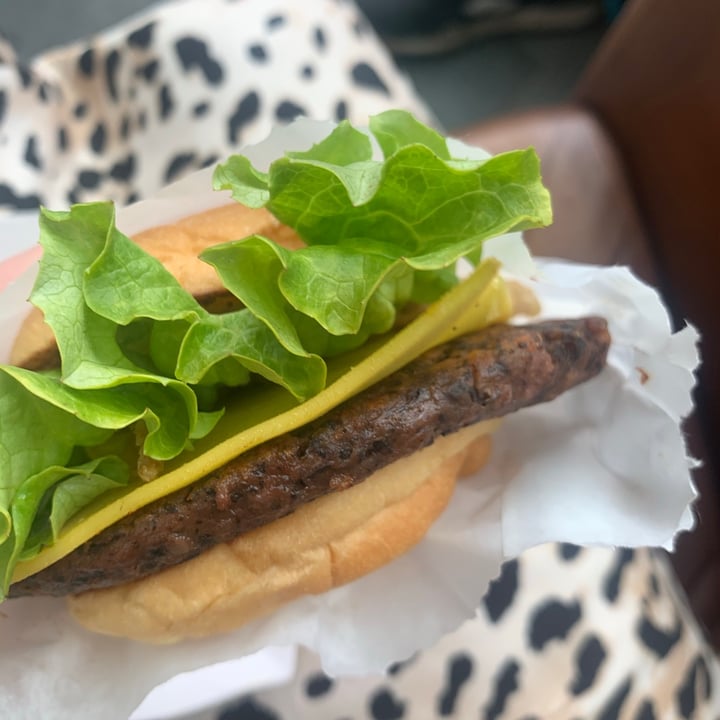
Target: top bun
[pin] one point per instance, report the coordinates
(177, 246)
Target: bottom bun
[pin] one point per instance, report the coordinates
(324, 544)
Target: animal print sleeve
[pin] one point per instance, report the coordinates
(123, 113)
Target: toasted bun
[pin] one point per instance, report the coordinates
(177, 246)
(326, 543)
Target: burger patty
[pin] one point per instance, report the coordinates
(479, 376)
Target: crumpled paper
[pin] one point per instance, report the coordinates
(604, 464)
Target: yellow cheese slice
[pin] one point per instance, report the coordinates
(260, 415)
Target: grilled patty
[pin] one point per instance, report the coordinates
(480, 376)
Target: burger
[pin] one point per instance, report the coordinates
(275, 397)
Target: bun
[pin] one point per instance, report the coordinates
(177, 246)
(326, 543)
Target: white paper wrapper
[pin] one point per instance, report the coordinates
(604, 464)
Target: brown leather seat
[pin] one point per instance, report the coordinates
(633, 164)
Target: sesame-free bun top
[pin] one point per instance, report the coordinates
(177, 246)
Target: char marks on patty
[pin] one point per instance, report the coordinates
(480, 376)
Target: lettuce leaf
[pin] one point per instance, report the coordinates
(138, 351)
(369, 223)
(46, 501)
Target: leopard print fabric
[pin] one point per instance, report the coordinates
(562, 633)
(133, 109)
